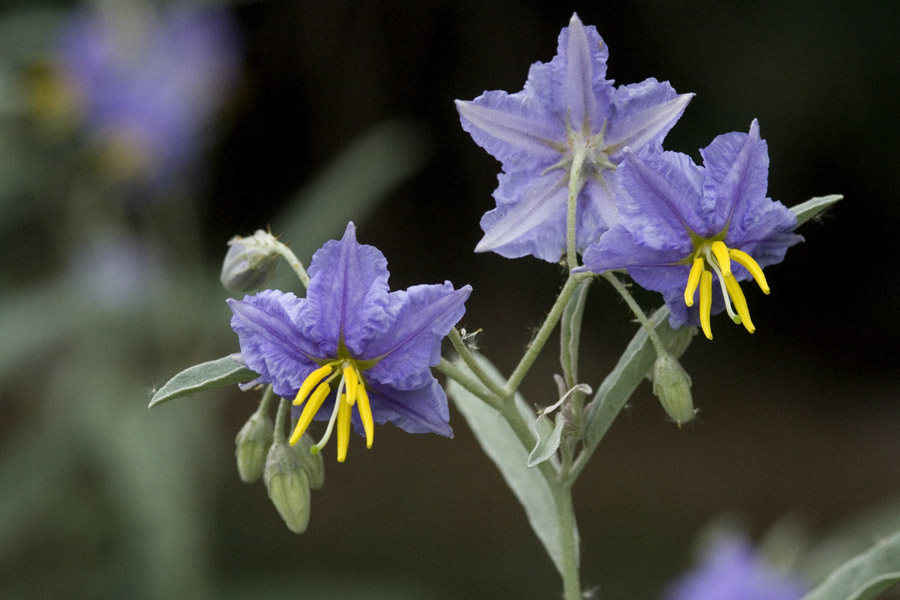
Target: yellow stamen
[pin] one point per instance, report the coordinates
(740, 303)
(352, 384)
(311, 381)
(309, 411)
(746, 261)
(343, 428)
(693, 281)
(705, 302)
(365, 413)
(720, 250)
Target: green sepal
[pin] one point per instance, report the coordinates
(636, 362)
(814, 207)
(570, 333)
(864, 577)
(205, 376)
(503, 447)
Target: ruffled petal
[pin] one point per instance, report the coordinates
(737, 166)
(347, 296)
(420, 410)
(513, 128)
(657, 199)
(413, 343)
(583, 53)
(642, 114)
(529, 218)
(267, 330)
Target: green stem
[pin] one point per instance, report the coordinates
(638, 312)
(571, 221)
(283, 410)
(471, 362)
(453, 372)
(295, 263)
(543, 335)
(568, 537)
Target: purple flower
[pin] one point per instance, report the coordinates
(731, 570)
(681, 226)
(148, 84)
(569, 118)
(379, 344)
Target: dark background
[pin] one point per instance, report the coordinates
(798, 419)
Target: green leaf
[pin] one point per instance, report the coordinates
(865, 576)
(636, 362)
(547, 439)
(570, 333)
(205, 376)
(814, 207)
(503, 447)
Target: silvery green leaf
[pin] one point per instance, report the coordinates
(205, 376)
(547, 439)
(865, 576)
(814, 207)
(637, 360)
(503, 447)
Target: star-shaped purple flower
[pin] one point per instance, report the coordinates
(681, 226)
(732, 570)
(569, 123)
(378, 344)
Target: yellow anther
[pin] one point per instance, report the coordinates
(720, 250)
(365, 414)
(311, 381)
(693, 281)
(343, 428)
(746, 261)
(352, 383)
(740, 303)
(309, 411)
(705, 302)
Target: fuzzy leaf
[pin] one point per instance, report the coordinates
(570, 335)
(205, 376)
(503, 447)
(814, 207)
(548, 439)
(865, 576)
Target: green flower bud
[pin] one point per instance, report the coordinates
(672, 385)
(313, 464)
(249, 263)
(288, 486)
(251, 444)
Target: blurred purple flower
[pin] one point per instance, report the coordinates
(568, 113)
(379, 344)
(733, 570)
(149, 83)
(680, 223)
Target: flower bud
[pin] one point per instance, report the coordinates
(672, 385)
(251, 444)
(249, 263)
(313, 464)
(288, 486)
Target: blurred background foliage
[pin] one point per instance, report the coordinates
(300, 115)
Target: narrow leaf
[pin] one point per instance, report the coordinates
(205, 376)
(570, 333)
(633, 366)
(865, 576)
(500, 443)
(547, 439)
(814, 207)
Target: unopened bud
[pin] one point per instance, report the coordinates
(251, 445)
(249, 263)
(288, 486)
(313, 464)
(672, 385)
